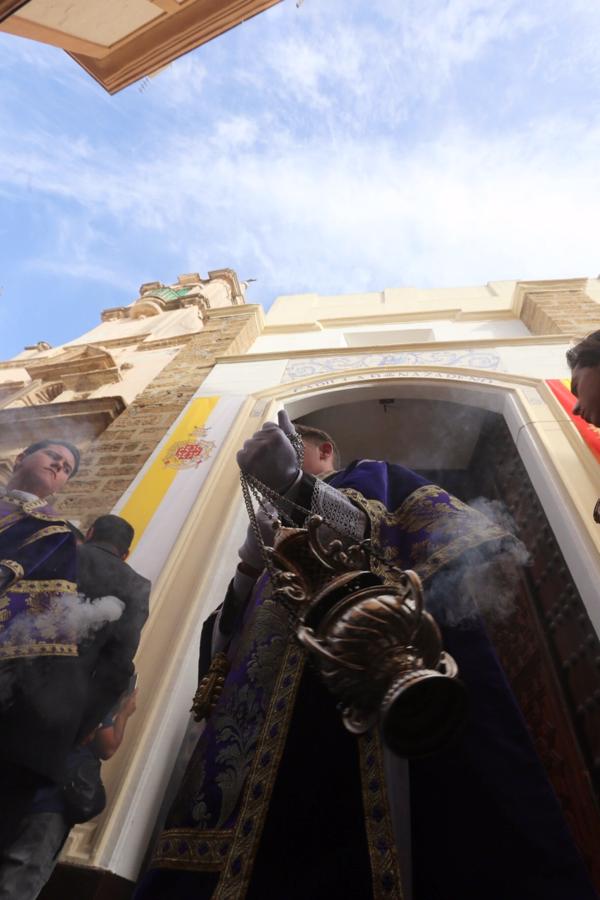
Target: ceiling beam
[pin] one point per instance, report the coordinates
(8, 7)
(34, 31)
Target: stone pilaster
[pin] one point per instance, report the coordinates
(557, 307)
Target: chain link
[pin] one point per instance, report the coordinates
(251, 486)
(254, 488)
(298, 445)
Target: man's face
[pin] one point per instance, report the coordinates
(318, 458)
(585, 384)
(45, 471)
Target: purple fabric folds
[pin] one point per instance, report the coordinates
(38, 548)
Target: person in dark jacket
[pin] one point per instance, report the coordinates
(37, 643)
(84, 632)
(108, 654)
(27, 864)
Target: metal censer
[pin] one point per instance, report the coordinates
(376, 648)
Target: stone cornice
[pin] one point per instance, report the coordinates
(452, 314)
(392, 318)
(247, 310)
(77, 419)
(466, 344)
(293, 328)
(179, 340)
(230, 278)
(114, 342)
(33, 393)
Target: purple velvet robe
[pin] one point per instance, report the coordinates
(278, 801)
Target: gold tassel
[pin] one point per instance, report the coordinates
(210, 688)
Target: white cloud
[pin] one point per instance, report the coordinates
(79, 251)
(459, 209)
(178, 85)
(236, 131)
(85, 270)
(299, 156)
(380, 63)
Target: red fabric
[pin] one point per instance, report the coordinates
(589, 433)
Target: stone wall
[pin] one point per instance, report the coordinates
(559, 308)
(113, 460)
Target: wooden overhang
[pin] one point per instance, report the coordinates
(120, 41)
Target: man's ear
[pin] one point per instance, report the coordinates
(18, 460)
(326, 449)
(89, 534)
(124, 555)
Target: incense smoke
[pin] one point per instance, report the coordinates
(69, 614)
(485, 579)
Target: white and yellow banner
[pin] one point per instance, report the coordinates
(158, 501)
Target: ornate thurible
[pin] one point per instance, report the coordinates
(376, 648)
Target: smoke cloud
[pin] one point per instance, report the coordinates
(72, 615)
(485, 580)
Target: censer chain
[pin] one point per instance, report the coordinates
(253, 487)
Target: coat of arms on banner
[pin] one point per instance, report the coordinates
(189, 454)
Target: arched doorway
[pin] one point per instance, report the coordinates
(463, 438)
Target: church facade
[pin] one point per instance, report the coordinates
(468, 386)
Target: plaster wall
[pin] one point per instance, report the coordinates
(14, 374)
(443, 330)
(167, 324)
(543, 360)
(493, 297)
(217, 292)
(537, 361)
(145, 367)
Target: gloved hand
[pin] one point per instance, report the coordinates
(269, 455)
(250, 551)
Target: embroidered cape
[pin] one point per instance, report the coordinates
(38, 548)
(220, 832)
(280, 801)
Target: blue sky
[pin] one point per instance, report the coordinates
(336, 146)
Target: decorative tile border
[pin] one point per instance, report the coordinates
(323, 365)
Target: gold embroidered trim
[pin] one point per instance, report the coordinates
(9, 520)
(385, 868)
(186, 848)
(419, 512)
(32, 586)
(45, 532)
(32, 510)
(236, 875)
(15, 567)
(26, 505)
(31, 507)
(37, 648)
